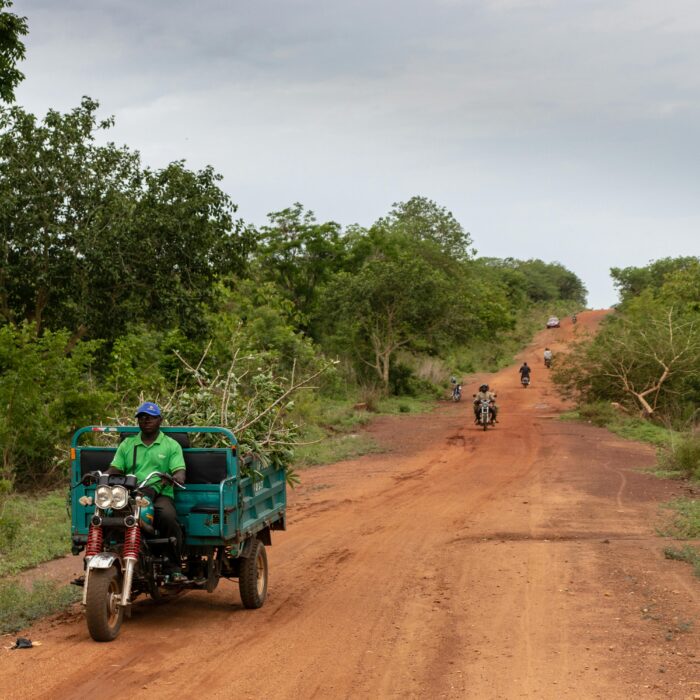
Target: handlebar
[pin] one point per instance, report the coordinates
(87, 478)
(162, 475)
(94, 476)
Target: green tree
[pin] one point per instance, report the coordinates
(641, 358)
(398, 298)
(632, 281)
(424, 220)
(299, 255)
(12, 50)
(262, 320)
(45, 394)
(93, 242)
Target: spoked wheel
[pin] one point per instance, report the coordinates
(103, 612)
(252, 579)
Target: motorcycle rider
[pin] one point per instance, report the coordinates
(148, 451)
(485, 395)
(547, 357)
(524, 371)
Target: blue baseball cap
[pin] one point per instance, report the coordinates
(148, 407)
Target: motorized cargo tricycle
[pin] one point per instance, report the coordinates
(227, 509)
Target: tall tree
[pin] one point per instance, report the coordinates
(12, 50)
(299, 255)
(92, 242)
(632, 281)
(642, 357)
(424, 220)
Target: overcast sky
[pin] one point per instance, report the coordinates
(567, 130)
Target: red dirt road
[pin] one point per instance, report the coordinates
(520, 562)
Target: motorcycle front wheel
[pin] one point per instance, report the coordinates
(102, 610)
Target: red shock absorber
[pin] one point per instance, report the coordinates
(132, 542)
(94, 541)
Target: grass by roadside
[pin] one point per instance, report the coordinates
(336, 433)
(684, 525)
(33, 529)
(685, 519)
(19, 606)
(605, 416)
(678, 457)
(688, 554)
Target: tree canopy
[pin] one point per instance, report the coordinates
(92, 241)
(12, 50)
(646, 355)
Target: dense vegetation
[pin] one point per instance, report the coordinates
(646, 357)
(120, 282)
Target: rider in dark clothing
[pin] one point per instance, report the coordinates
(524, 371)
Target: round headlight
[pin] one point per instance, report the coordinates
(120, 497)
(103, 497)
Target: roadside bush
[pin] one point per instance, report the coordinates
(683, 455)
(687, 554)
(600, 413)
(685, 521)
(45, 394)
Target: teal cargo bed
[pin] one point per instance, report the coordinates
(219, 506)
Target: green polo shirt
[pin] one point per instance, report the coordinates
(163, 455)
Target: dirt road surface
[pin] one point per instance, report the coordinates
(521, 562)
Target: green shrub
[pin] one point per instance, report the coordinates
(685, 522)
(600, 413)
(687, 553)
(46, 392)
(682, 455)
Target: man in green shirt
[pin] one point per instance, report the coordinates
(152, 450)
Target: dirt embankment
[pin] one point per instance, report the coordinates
(520, 562)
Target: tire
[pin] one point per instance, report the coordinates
(252, 579)
(104, 615)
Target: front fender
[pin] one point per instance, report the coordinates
(103, 560)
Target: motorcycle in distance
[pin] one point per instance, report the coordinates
(457, 392)
(484, 413)
(548, 358)
(573, 318)
(525, 380)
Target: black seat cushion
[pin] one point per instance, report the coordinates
(96, 459)
(205, 467)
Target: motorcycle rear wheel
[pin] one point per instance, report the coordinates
(252, 579)
(102, 610)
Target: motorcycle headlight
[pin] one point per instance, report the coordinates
(103, 497)
(120, 497)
